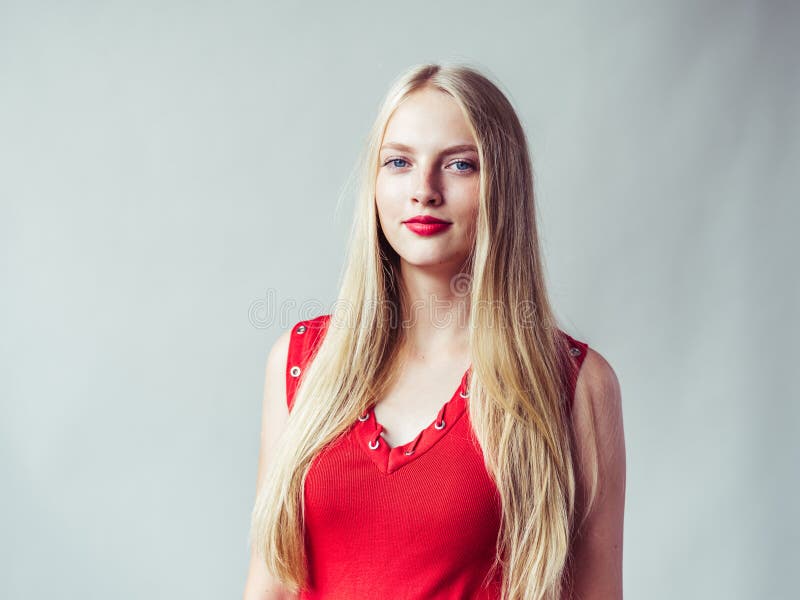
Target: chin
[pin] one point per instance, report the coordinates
(426, 260)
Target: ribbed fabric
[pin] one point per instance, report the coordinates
(415, 522)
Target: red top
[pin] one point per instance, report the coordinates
(419, 521)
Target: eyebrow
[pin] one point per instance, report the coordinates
(450, 150)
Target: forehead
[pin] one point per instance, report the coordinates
(428, 118)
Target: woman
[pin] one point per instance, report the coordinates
(438, 435)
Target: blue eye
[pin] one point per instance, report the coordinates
(394, 160)
(464, 162)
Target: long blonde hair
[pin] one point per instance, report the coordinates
(518, 403)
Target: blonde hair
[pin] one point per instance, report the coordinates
(518, 403)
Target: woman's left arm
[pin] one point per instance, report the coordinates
(597, 550)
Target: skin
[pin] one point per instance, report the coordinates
(426, 179)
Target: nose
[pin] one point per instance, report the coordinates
(428, 189)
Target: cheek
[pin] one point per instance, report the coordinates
(386, 200)
(473, 189)
(383, 209)
(469, 200)
(470, 217)
(383, 189)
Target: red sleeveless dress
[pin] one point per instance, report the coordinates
(415, 522)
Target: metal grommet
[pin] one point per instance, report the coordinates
(464, 393)
(301, 329)
(408, 452)
(377, 443)
(295, 371)
(439, 425)
(364, 417)
(574, 351)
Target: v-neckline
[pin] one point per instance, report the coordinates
(389, 459)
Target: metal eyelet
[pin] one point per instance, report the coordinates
(408, 452)
(295, 371)
(364, 417)
(377, 443)
(439, 425)
(464, 393)
(574, 351)
(301, 329)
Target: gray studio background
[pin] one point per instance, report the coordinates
(170, 184)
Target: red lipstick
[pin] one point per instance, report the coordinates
(426, 225)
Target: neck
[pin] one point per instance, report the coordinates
(435, 309)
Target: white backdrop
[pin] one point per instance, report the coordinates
(169, 175)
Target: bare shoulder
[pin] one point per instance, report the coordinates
(278, 357)
(600, 453)
(598, 397)
(597, 381)
(274, 409)
(597, 412)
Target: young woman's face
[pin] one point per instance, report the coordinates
(428, 166)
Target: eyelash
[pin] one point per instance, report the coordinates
(467, 162)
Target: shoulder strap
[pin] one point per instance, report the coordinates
(574, 354)
(303, 343)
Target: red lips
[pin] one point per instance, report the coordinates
(426, 225)
(425, 219)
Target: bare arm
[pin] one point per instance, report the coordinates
(260, 585)
(597, 552)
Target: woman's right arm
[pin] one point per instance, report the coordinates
(260, 585)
